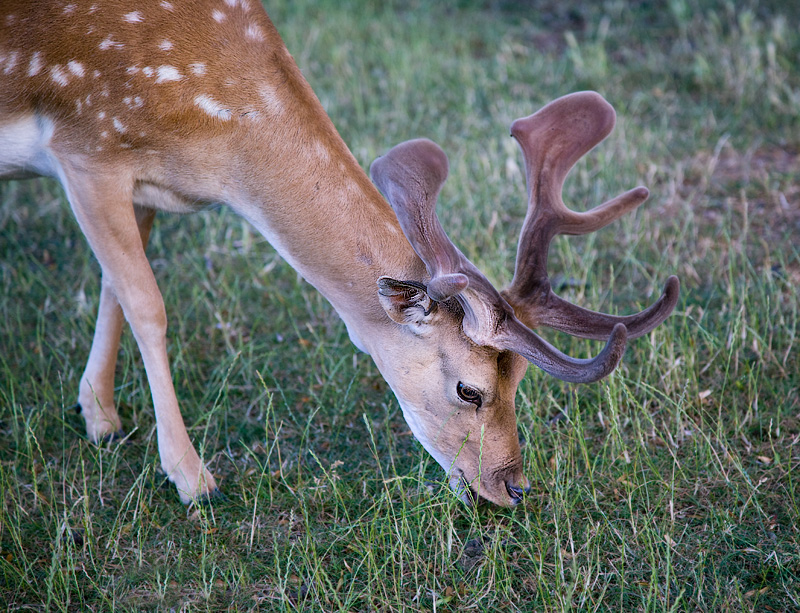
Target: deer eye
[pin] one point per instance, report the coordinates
(469, 394)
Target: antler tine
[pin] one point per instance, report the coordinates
(552, 141)
(410, 176)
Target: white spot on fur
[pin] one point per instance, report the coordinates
(321, 151)
(167, 5)
(133, 102)
(35, 65)
(92, 9)
(96, 73)
(58, 75)
(101, 115)
(76, 68)
(133, 17)
(271, 99)
(118, 125)
(218, 15)
(109, 43)
(148, 71)
(132, 69)
(11, 62)
(212, 107)
(198, 68)
(79, 106)
(243, 3)
(103, 134)
(254, 32)
(168, 73)
(90, 30)
(69, 9)
(89, 100)
(165, 45)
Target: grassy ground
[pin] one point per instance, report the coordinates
(673, 485)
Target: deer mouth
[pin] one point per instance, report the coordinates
(470, 495)
(463, 489)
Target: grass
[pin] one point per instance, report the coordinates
(672, 485)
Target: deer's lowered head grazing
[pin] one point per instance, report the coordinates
(173, 105)
(478, 341)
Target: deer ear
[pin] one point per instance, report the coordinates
(406, 302)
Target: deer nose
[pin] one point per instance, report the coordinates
(517, 492)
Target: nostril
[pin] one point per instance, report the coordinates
(517, 492)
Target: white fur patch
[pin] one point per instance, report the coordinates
(218, 15)
(109, 43)
(271, 99)
(133, 102)
(322, 152)
(11, 62)
(133, 17)
(58, 75)
(119, 126)
(168, 73)
(69, 9)
(76, 68)
(148, 71)
(165, 45)
(253, 32)
(198, 68)
(167, 5)
(243, 3)
(212, 107)
(24, 147)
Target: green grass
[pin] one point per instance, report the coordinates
(672, 485)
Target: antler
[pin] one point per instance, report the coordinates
(410, 176)
(552, 141)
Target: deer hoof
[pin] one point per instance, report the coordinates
(113, 437)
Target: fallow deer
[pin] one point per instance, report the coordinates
(173, 105)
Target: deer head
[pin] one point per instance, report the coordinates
(478, 341)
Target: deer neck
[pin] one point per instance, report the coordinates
(326, 219)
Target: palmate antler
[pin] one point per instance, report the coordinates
(552, 140)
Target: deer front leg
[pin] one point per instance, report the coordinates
(103, 206)
(96, 392)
